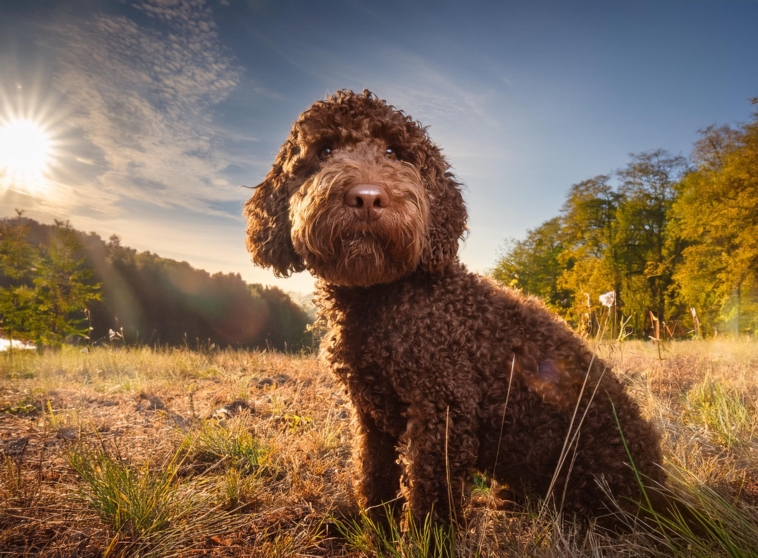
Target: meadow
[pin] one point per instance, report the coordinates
(180, 452)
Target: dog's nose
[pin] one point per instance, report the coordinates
(367, 200)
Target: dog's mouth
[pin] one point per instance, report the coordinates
(355, 226)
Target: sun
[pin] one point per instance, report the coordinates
(25, 151)
(24, 147)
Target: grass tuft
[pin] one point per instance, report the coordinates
(150, 512)
(369, 538)
(231, 442)
(724, 412)
(142, 500)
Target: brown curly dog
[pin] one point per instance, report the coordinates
(448, 372)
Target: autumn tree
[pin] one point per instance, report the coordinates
(590, 260)
(717, 215)
(714, 145)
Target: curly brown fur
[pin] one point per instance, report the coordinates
(429, 352)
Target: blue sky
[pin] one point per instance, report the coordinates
(159, 110)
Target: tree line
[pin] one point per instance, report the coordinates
(671, 242)
(60, 285)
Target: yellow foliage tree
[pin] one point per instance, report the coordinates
(717, 214)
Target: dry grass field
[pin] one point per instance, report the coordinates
(142, 452)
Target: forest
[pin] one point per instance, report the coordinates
(670, 244)
(59, 285)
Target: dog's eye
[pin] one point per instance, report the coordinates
(391, 152)
(325, 153)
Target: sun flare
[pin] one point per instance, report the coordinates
(25, 149)
(26, 152)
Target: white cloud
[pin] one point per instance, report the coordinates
(143, 94)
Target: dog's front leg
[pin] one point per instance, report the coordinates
(376, 458)
(438, 453)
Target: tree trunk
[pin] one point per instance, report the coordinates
(739, 306)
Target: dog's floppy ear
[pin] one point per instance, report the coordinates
(268, 222)
(447, 213)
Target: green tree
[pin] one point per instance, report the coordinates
(17, 264)
(533, 265)
(650, 251)
(17, 255)
(63, 288)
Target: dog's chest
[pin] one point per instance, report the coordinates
(367, 359)
(385, 336)
(395, 343)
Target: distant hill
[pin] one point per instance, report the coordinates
(158, 301)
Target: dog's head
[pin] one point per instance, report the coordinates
(358, 195)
